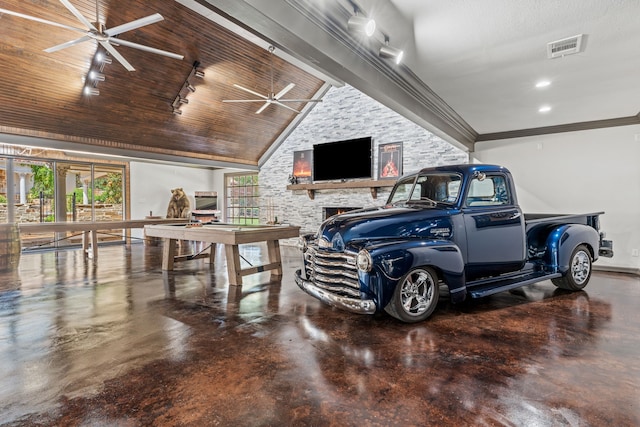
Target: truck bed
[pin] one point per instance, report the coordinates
(538, 219)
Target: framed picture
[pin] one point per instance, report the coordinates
(303, 166)
(390, 160)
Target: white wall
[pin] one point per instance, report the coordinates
(151, 185)
(577, 172)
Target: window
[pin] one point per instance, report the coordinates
(38, 189)
(438, 187)
(488, 191)
(241, 199)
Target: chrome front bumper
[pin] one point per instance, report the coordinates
(354, 305)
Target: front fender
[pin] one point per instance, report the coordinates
(392, 261)
(563, 240)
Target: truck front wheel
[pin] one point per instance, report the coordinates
(579, 270)
(416, 296)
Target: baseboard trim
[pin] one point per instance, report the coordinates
(612, 269)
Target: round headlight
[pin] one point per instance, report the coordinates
(363, 261)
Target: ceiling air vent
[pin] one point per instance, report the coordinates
(564, 47)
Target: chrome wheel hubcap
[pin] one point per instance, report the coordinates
(580, 267)
(417, 292)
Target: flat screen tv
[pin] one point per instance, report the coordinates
(346, 159)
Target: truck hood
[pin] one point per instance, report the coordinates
(382, 223)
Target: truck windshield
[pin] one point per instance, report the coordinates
(430, 188)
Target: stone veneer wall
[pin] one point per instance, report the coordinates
(345, 113)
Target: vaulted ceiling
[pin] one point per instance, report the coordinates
(41, 94)
(468, 76)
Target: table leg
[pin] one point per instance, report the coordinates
(273, 249)
(85, 243)
(168, 253)
(94, 244)
(212, 254)
(233, 264)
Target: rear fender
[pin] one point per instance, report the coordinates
(563, 240)
(391, 262)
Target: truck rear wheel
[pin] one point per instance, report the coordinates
(416, 296)
(579, 270)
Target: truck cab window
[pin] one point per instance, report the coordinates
(490, 191)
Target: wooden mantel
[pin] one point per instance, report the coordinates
(372, 184)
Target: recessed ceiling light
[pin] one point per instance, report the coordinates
(542, 83)
(544, 109)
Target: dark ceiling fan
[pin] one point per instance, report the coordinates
(271, 97)
(97, 31)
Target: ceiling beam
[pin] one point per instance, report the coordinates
(316, 34)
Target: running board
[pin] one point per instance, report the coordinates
(505, 284)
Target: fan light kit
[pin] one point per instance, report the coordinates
(100, 34)
(272, 97)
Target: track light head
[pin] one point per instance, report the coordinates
(182, 100)
(177, 112)
(387, 51)
(199, 74)
(88, 90)
(96, 76)
(189, 86)
(362, 24)
(102, 58)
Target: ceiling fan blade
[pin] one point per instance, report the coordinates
(286, 106)
(284, 91)
(151, 19)
(78, 15)
(42, 21)
(117, 56)
(250, 91)
(146, 48)
(243, 100)
(299, 100)
(67, 44)
(261, 109)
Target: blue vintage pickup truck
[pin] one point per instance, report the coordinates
(459, 226)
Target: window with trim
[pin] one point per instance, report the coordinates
(241, 198)
(488, 191)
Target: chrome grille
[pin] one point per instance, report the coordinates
(333, 271)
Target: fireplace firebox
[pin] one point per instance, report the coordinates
(328, 212)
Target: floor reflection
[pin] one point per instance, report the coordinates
(121, 342)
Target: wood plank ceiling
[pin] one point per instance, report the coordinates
(41, 94)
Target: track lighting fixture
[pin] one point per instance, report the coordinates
(88, 90)
(387, 51)
(362, 24)
(186, 89)
(96, 76)
(105, 59)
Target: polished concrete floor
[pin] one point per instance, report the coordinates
(120, 343)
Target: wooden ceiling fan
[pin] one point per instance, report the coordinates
(105, 37)
(271, 97)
